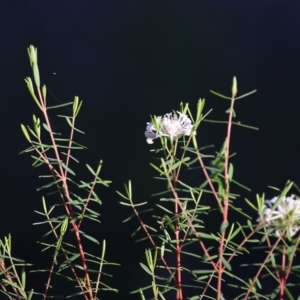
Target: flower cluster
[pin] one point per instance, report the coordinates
(170, 125)
(285, 217)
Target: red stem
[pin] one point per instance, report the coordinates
(226, 199)
(179, 295)
(68, 207)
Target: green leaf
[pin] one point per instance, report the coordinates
(67, 168)
(230, 172)
(231, 110)
(201, 271)
(258, 283)
(251, 204)
(146, 268)
(226, 263)
(32, 52)
(47, 127)
(232, 234)
(234, 89)
(91, 170)
(191, 254)
(189, 188)
(92, 218)
(129, 218)
(67, 118)
(207, 236)
(31, 91)
(23, 278)
(179, 163)
(288, 293)
(30, 294)
(76, 106)
(157, 169)
(169, 222)
(224, 225)
(149, 258)
(200, 106)
(89, 237)
(69, 155)
(64, 226)
(136, 231)
(245, 95)
(13, 284)
(44, 91)
(162, 249)
(25, 132)
(103, 250)
(142, 295)
(99, 167)
(36, 75)
(128, 189)
(163, 208)
(59, 105)
(49, 185)
(79, 293)
(123, 196)
(135, 205)
(36, 126)
(286, 189)
(273, 260)
(92, 212)
(7, 243)
(220, 95)
(249, 223)
(68, 261)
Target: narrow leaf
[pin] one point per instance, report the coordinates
(224, 225)
(146, 268)
(67, 168)
(23, 278)
(220, 95)
(25, 132)
(226, 263)
(89, 237)
(31, 90)
(230, 172)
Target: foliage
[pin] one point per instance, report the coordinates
(187, 259)
(183, 248)
(71, 260)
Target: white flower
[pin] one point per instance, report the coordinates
(170, 125)
(285, 217)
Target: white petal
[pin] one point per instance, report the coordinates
(170, 125)
(149, 141)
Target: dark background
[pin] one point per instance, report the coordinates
(128, 60)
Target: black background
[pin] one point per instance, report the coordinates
(128, 60)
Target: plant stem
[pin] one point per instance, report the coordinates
(179, 295)
(66, 196)
(226, 198)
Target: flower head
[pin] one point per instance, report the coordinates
(285, 217)
(170, 125)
